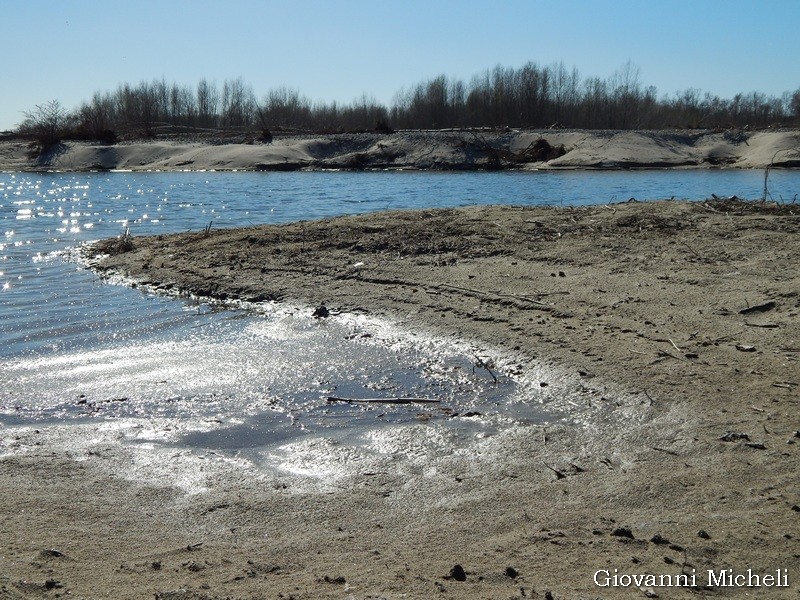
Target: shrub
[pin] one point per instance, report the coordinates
(48, 123)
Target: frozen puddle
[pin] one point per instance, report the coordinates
(255, 388)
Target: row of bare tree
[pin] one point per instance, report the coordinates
(530, 96)
(536, 96)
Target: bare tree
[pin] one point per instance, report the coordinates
(794, 105)
(238, 103)
(48, 122)
(182, 108)
(96, 119)
(207, 103)
(286, 108)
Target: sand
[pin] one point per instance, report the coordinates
(458, 150)
(673, 329)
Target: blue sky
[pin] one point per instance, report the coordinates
(337, 50)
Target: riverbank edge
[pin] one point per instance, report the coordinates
(677, 321)
(468, 150)
(682, 278)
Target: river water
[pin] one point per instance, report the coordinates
(76, 349)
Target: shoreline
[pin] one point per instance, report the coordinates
(472, 150)
(677, 324)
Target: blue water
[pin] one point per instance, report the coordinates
(47, 304)
(63, 330)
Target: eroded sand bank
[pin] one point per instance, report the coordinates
(545, 149)
(674, 327)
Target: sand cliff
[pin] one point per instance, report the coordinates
(445, 150)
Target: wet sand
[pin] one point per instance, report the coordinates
(672, 328)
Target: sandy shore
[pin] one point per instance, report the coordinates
(458, 150)
(674, 328)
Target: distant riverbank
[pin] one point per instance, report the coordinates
(423, 150)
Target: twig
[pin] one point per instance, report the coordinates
(727, 337)
(481, 364)
(559, 474)
(665, 353)
(672, 452)
(690, 248)
(463, 289)
(384, 400)
(767, 170)
(531, 300)
(483, 293)
(674, 346)
(536, 293)
(766, 177)
(787, 386)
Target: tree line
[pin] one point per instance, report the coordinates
(532, 96)
(538, 97)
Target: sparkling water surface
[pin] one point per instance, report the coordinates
(74, 348)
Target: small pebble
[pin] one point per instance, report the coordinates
(623, 532)
(659, 540)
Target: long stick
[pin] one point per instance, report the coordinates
(483, 365)
(384, 400)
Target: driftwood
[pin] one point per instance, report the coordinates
(384, 400)
(537, 151)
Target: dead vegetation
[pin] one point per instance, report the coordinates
(117, 245)
(499, 157)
